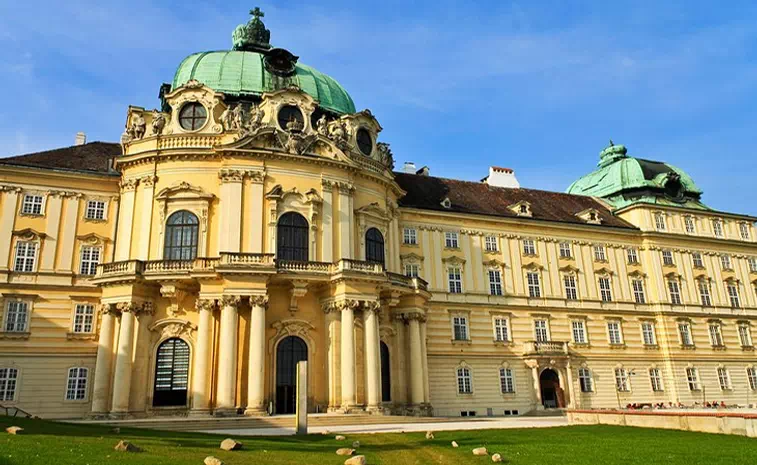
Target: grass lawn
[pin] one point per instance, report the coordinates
(48, 443)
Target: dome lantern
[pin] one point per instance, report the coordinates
(253, 36)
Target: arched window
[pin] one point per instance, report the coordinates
(374, 246)
(292, 237)
(182, 229)
(171, 373)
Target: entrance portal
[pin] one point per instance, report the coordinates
(291, 350)
(551, 392)
(171, 374)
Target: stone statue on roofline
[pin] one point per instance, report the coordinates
(158, 122)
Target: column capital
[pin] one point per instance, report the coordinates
(205, 305)
(148, 181)
(135, 307)
(107, 309)
(259, 301)
(231, 300)
(229, 175)
(347, 304)
(129, 185)
(416, 316)
(371, 306)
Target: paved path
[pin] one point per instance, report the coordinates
(479, 423)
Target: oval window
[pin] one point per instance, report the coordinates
(364, 141)
(291, 119)
(192, 116)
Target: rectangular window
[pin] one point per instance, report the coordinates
(599, 253)
(412, 270)
(26, 254)
(725, 262)
(90, 258)
(534, 288)
(76, 388)
(506, 381)
(655, 379)
(84, 316)
(579, 331)
(753, 264)
(745, 335)
(675, 292)
(571, 291)
(410, 236)
(717, 228)
(648, 333)
(704, 293)
(733, 295)
(605, 291)
(95, 210)
(464, 385)
(697, 258)
(667, 258)
(495, 282)
(16, 316)
(455, 280)
(584, 378)
(501, 330)
(32, 204)
(684, 331)
(541, 334)
(450, 240)
(565, 250)
(751, 374)
(689, 224)
(529, 248)
(633, 256)
(621, 380)
(638, 291)
(8, 380)
(659, 221)
(716, 336)
(490, 243)
(744, 231)
(724, 379)
(692, 377)
(614, 335)
(460, 328)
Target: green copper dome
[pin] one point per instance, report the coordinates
(624, 180)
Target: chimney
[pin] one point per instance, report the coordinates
(81, 138)
(501, 177)
(425, 171)
(409, 167)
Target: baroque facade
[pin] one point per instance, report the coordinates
(254, 220)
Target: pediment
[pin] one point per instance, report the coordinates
(183, 191)
(411, 257)
(454, 260)
(93, 239)
(373, 210)
(604, 271)
(494, 263)
(29, 234)
(637, 274)
(533, 265)
(569, 269)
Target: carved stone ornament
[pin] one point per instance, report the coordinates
(158, 122)
(172, 327)
(347, 304)
(135, 307)
(107, 309)
(292, 327)
(129, 184)
(372, 306)
(259, 301)
(229, 175)
(321, 126)
(232, 118)
(205, 305)
(338, 132)
(295, 142)
(231, 300)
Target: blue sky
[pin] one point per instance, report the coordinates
(536, 86)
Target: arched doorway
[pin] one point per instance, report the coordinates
(171, 374)
(386, 373)
(551, 392)
(374, 246)
(291, 350)
(292, 237)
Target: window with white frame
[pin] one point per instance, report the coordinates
(412, 270)
(725, 262)
(724, 379)
(648, 333)
(495, 282)
(667, 258)
(753, 264)
(638, 291)
(585, 380)
(571, 290)
(32, 204)
(578, 328)
(501, 329)
(95, 210)
(506, 381)
(464, 385)
(565, 250)
(410, 236)
(76, 387)
(8, 382)
(529, 247)
(659, 221)
(605, 290)
(490, 243)
(692, 378)
(674, 291)
(744, 231)
(26, 256)
(655, 379)
(84, 318)
(704, 293)
(717, 228)
(534, 288)
(751, 374)
(689, 224)
(90, 258)
(599, 253)
(455, 280)
(460, 328)
(745, 335)
(621, 380)
(684, 332)
(16, 316)
(450, 240)
(633, 255)
(716, 335)
(541, 332)
(733, 294)
(614, 333)
(696, 257)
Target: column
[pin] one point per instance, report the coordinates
(570, 390)
(125, 219)
(327, 222)
(200, 372)
(104, 357)
(333, 326)
(227, 356)
(345, 216)
(537, 387)
(399, 387)
(68, 234)
(372, 357)
(8, 212)
(145, 220)
(417, 391)
(140, 368)
(563, 384)
(122, 374)
(256, 367)
(348, 353)
(230, 210)
(424, 361)
(254, 205)
(52, 225)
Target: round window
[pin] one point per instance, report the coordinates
(192, 116)
(364, 141)
(291, 119)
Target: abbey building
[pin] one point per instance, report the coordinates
(254, 220)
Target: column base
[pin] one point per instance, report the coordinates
(255, 412)
(375, 410)
(118, 415)
(225, 412)
(200, 412)
(98, 416)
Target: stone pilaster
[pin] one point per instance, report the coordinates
(256, 367)
(201, 373)
(347, 308)
(372, 357)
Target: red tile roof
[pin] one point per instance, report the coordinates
(94, 157)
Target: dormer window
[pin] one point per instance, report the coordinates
(591, 216)
(446, 203)
(522, 208)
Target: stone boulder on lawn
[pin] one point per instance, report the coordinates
(230, 444)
